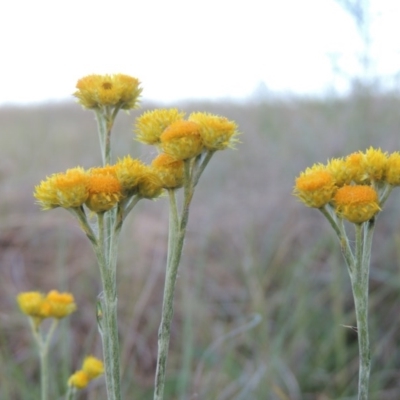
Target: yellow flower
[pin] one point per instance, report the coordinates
(30, 303)
(169, 170)
(216, 132)
(315, 186)
(355, 166)
(393, 169)
(68, 189)
(129, 172)
(93, 367)
(116, 90)
(374, 163)
(150, 125)
(358, 203)
(150, 185)
(338, 168)
(104, 189)
(58, 305)
(79, 379)
(182, 140)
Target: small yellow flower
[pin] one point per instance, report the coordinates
(129, 172)
(374, 163)
(116, 90)
(58, 305)
(150, 185)
(104, 189)
(217, 132)
(67, 190)
(79, 379)
(93, 367)
(315, 186)
(355, 166)
(169, 170)
(150, 125)
(182, 140)
(341, 174)
(393, 169)
(30, 303)
(358, 203)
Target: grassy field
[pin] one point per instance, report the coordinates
(263, 293)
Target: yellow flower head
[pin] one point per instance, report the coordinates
(169, 170)
(129, 172)
(374, 163)
(93, 367)
(315, 186)
(150, 125)
(182, 140)
(104, 189)
(357, 203)
(68, 189)
(150, 185)
(338, 169)
(30, 303)
(393, 169)
(116, 90)
(79, 379)
(356, 168)
(217, 132)
(58, 305)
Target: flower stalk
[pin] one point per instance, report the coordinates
(193, 169)
(110, 192)
(354, 189)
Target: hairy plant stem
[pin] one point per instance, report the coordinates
(106, 252)
(43, 343)
(358, 264)
(359, 283)
(177, 230)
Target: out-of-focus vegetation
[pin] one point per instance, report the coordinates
(251, 250)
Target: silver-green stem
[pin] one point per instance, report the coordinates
(359, 282)
(71, 393)
(107, 319)
(177, 231)
(43, 344)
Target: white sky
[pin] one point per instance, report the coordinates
(185, 48)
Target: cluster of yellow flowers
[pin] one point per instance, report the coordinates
(91, 369)
(100, 189)
(351, 185)
(118, 90)
(183, 139)
(53, 305)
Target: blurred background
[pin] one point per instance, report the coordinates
(263, 300)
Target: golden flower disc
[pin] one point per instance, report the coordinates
(129, 172)
(182, 140)
(105, 191)
(393, 169)
(66, 190)
(216, 132)
(93, 367)
(374, 163)
(355, 166)
(315, 187)
(30, 303)
(79, 379)
(169, 170)
(151, 124)
(58, 305)
(357, 203)
(150, 185)
(117, 90)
